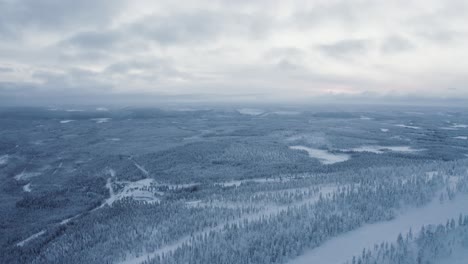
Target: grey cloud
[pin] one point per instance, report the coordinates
(93, 40)
(83, 55)
(345, 48)
(394, 44)
(6, 69)
(53, 15)
(286, 58)
(178, 28)
(199, 26)
(72, 79)
(441, 36)
(342, 12)
(290, 52)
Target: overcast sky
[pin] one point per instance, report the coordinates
(264, 49)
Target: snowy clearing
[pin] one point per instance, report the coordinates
(4, 159)
(261, 180)
(459, 126)
(285, 113)
(27, 187)
(102, 109)
(323, 156)
(384, 130)
(250, 111)
(142, 190)
(406, 126)
(383, 149)
(26, 175)
(66, 121)
(101, 120)
(353, 242)
(461, 137)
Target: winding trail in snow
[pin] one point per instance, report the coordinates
(23, 242)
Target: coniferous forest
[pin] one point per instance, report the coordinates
(366, 185)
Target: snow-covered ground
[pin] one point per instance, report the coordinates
(66, 121)
(342, 248)
(383, 149)
(407, 126)
(461, 137)
(27, 187)
(384, 130)
(101, 120)
(323, 156)
(285, 112)
(260, 180)
(4, 159)
(250, 111)
(142, 190)
(26, 175)
(459, 126)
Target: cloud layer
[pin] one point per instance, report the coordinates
(272, 50)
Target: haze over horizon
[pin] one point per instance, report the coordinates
(244, 51)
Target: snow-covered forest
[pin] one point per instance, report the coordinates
(226, 185)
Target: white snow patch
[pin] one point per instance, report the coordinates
(66, 121)
(22, 243)
(4, 159)
(461, 137)
(102, 109)
(101, 120)
(250, 111)
(406, 126)
(26, 175)
(366, 118)
(111, 172)
(352, 243)
(384, 130)
(383, 149)
(285, 112)
(460, 126)
(142, 190)
(27, 187)
(323, 156)
(448, 128)
(237, 183)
